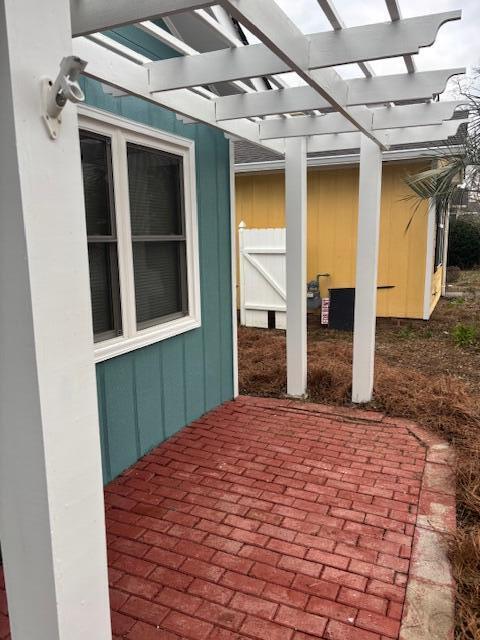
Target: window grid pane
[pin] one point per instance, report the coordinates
(158, 272)
(101, 235)
(155, 186)
(158, 240)
(103, 262)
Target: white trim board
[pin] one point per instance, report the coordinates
(121, 131)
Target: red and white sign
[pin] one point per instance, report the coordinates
(325, 310)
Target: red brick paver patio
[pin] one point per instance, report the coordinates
(268, 520)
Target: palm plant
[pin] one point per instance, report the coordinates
(455, 164)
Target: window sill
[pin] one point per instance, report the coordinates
(119, 346)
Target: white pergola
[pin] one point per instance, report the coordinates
(51, 504)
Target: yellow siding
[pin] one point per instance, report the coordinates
(332, 230)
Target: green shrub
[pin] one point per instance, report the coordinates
(464, 244)
(465, 335)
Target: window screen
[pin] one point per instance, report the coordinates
(101, 235)
(158, 234)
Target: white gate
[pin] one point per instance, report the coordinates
(262, 277)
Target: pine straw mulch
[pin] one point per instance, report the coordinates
(445, 404)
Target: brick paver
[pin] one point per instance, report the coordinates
(265, 519)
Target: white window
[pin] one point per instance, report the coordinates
(140, 202)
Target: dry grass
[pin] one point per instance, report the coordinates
(441, 402)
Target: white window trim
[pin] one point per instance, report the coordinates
(121, 131)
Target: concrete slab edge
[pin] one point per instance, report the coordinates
(429, 608)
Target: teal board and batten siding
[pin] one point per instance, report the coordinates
(147, 395)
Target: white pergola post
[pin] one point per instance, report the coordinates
(296, 264)
(52, 528)
(368, 236)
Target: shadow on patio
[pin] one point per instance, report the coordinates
(272, 519)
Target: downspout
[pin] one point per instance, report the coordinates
(446, 233)
(429, 258)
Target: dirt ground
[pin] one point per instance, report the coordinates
(429, 347)
(426, 371)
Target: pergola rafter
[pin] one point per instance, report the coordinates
(395, 14)
(178, 45)
(326, 49)
(381, 118)
(89, 16)
(359, 91)
(427, 135)
(338, 24)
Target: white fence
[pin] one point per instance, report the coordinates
(262, 277)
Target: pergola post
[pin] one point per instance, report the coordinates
(368, 236)
(52, 527)
(296, 264)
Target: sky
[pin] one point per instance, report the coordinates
(457, 43)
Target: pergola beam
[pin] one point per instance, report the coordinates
(381, 118)
(356, 44)
(435, 133)
(89, 16)
(410, 135)
(338, 24)
(175, 43)
(273, 27)
(414, 115)
(123, 74)
(419, 86)
(393, 9)
(332, 14)
(395, 14)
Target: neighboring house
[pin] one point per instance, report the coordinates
(412, 245)
(464, 202)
